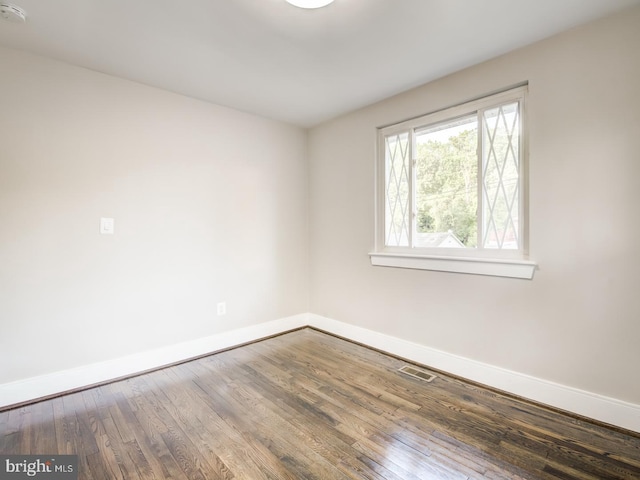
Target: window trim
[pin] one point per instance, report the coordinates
(495, 267)
(480, 261)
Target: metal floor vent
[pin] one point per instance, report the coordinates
(418, 373)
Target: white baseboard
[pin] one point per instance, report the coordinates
(598, 407)
(43, 386)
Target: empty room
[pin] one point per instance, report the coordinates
(319, 239)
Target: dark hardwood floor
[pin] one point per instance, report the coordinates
(307, 405)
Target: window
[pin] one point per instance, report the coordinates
(451, 192)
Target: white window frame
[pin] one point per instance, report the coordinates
(480, 261)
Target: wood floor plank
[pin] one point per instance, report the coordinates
(216, 435)
(323, 441)
(374, 396)
(233, 422)
(307, 405)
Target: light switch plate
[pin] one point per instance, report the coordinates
(107, 226)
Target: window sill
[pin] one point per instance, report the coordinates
(471, 265)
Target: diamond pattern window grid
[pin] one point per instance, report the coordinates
(397, 190)
(500, 177)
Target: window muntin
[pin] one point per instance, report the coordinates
(501, 176)
(453, 181)
(397, 191)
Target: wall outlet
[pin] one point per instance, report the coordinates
(107, 226)
(222, 308)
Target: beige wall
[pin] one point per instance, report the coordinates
(210, 204)
(578, 321)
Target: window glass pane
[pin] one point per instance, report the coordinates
(397, 216)
(447, 184)
(500, 176)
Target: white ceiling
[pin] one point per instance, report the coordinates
(272, 59)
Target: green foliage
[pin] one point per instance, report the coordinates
(447, 186)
